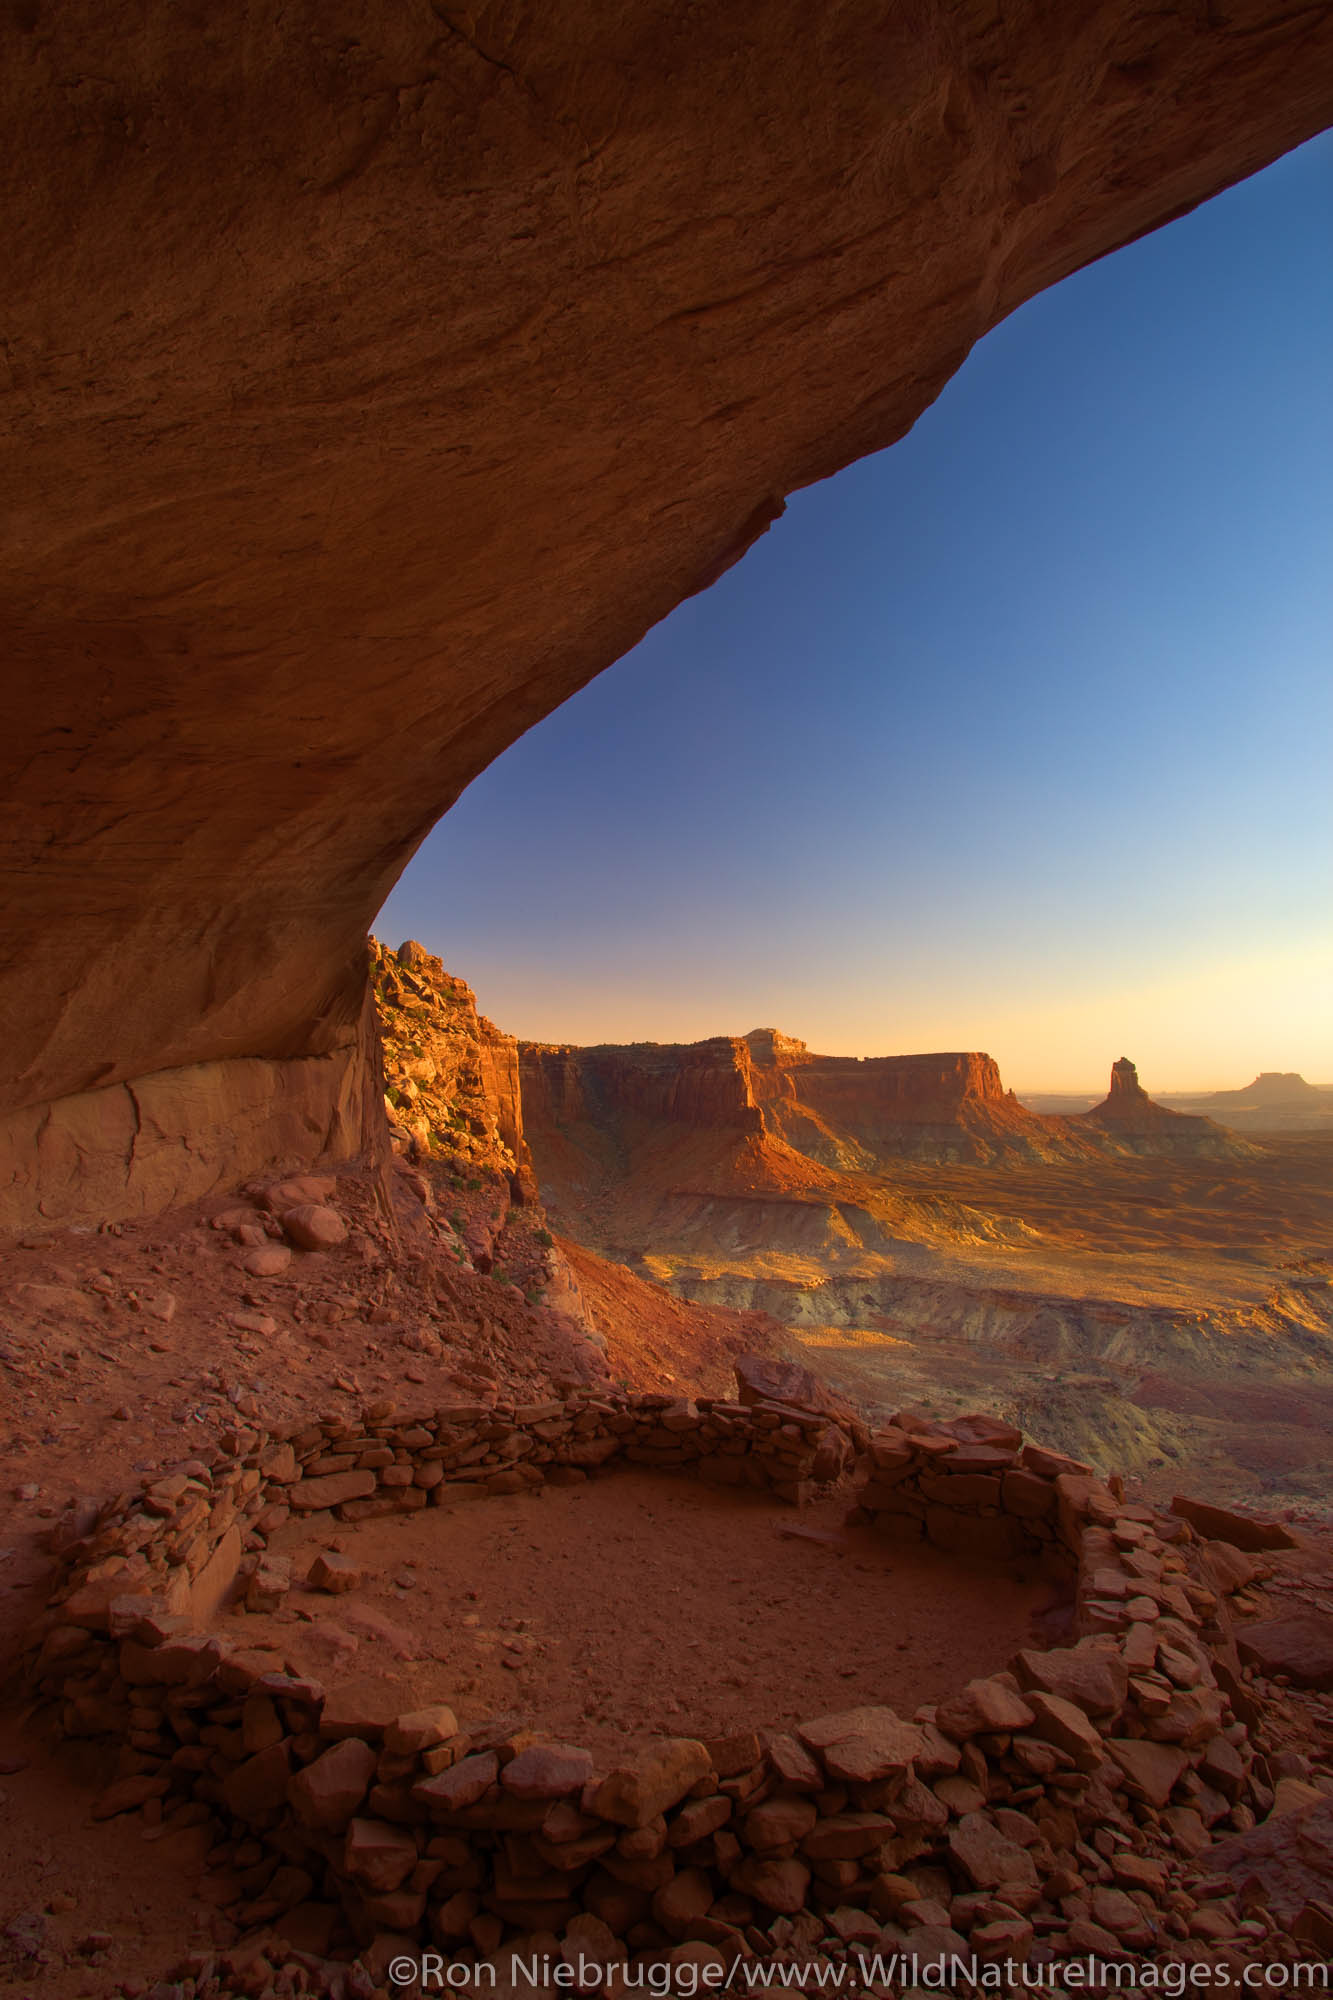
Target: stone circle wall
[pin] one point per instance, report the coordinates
(391, 1832)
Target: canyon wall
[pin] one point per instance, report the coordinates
(703, 1085)
(375, 376)
(176, 1135)
(452, 1081)
(842, 1111)
(851, 1111)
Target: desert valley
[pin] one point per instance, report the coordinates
(1131, 1282)
(574, 1263)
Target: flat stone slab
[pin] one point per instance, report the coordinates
(1243, 1531)
(1301, 1647)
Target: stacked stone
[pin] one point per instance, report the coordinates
(972, 1486)
(1055, 1809)
(175, 1551)
(1012, 1821)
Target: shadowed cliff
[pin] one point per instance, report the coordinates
(375, 377)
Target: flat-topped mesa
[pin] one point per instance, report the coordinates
(843, 1111)
(704, 1085)
(1271, 1086)
(851, 1110)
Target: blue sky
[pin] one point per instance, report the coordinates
(1014, 737)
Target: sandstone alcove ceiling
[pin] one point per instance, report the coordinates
(376, 377)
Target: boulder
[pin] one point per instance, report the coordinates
(1150, 1769)
(547, 1771)
(983, 1706)
(330, 1489)
(683, 1900)
(462, 1785)
(378, 1856)
(762, 1378)
(1291, 1856)
(1094, 1679)
(778, 1885)
(987, 1857)
(364, 1707)
(269, 1260)
(334, 1573)
(421, 1729)
(310, 1226)
(780, 1822)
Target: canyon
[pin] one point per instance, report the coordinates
(374, 378)
(400, 1632)
(331, 465)
(1126, 1279)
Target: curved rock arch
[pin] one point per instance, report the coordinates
(377, 376)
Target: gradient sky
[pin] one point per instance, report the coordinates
(1014, 737)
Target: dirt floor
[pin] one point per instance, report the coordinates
(638, 1602)
(87, 1905)
(128, 1350)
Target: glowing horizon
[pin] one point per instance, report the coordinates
(1011, 738)
(645, 1019)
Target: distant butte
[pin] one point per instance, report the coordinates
(850, 1113)
(1129, 1117)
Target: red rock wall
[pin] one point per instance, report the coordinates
(996, 1788)
(376, 377)
(771, 1082)
(706, 1085)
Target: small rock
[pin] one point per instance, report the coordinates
(987, 1858)
(983, 1706)
(334, 1573)
(325, 1794)
(408, 1735)
(126, 1795)
(269, 1584)
(1242, 1531)
(254, 1322)
(269, 1262)
(1300, 1646)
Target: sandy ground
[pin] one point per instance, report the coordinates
(657, 1341)
(85, 1905)
(125, 1351)
(640, 1601)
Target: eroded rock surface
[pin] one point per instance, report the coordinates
(376, 377)
(1128, 1117)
